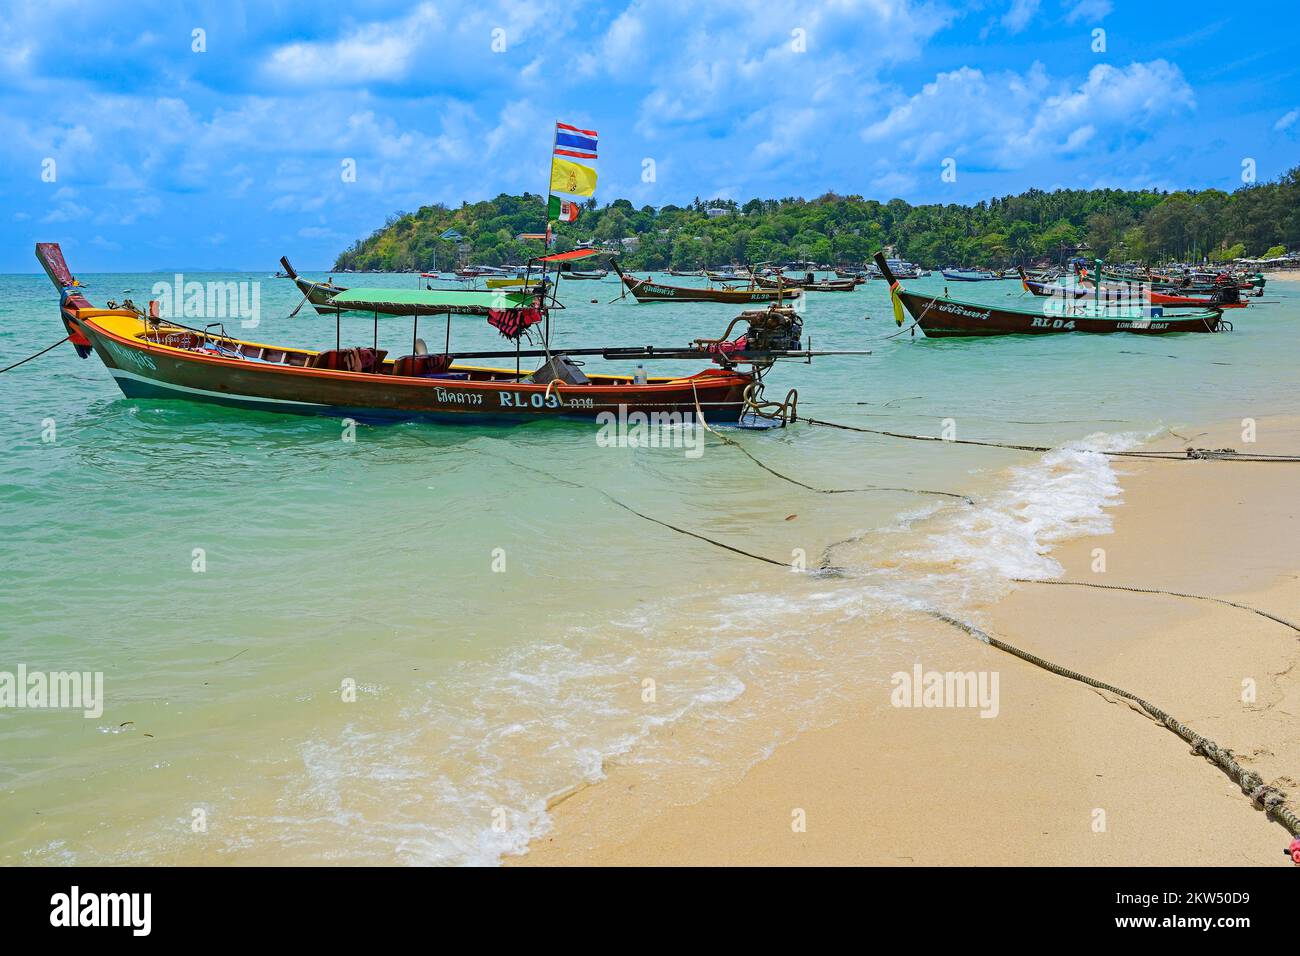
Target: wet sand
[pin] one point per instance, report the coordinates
(1064, 774)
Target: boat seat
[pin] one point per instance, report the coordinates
(421, 364)
(350, 360)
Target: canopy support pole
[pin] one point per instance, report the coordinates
(376, 332)
(415, 331)
(338, 328)
(447, 348)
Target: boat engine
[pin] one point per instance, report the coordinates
(777, 328)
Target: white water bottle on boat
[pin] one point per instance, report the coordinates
(639, 377)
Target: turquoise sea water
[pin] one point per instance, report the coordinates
(500, 624)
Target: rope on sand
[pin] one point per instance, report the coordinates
(1189, 454)
(1265, 796)
(1199, 597)
(1268, 798)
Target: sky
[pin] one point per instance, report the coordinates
(222, 134)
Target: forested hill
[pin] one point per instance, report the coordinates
(1111, 223)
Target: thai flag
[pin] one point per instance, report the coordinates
(571, 141)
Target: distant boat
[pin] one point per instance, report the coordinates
(807, 284)
(968, 275)
(318, 294)
(643, 290)
(900, 268)
(1224, 297)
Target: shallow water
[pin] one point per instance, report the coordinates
(482, 693)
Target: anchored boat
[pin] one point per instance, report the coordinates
(153, 357)
(316, 293)
(1223, 297)
(643, 290)
(944, 317)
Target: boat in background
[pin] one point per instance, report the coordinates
(808, 284)
(968, 275)
(645, 290)
(318, 294)
(1224, 297)
(944, 317)
(901, 269)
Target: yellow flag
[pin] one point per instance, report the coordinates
(572, 178)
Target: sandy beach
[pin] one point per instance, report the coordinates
(1063, 774)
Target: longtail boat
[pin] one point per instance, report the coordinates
(944, 317)
(1223, 297)
(150, 356)
(968, 275)
(644, 290)
(822, 285)
(318, 294)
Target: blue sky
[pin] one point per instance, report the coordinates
(168, 157)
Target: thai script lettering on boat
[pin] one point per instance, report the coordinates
(458, 398)
(211, 300)
(952, 309)
(54, 690)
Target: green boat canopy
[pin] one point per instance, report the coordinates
(431, 302)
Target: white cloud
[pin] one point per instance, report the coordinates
(1020, 15)
(727, 65)
(1286, 121)
(374, 51)
(1089, 10)
(1007, 120)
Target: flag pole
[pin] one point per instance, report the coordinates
(546, 245)
(546, 213)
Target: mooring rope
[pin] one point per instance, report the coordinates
(699, 412)
(37, 355)
(1268, 798)
(1189, 454)
(1265, 796)
(1182, 594)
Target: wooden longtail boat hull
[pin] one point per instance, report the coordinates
(968, 276)
(1132, 294)
(946, 318)
(790, 285)
(153, 369)
(943, 317)
(317, 293)
(646, 291)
